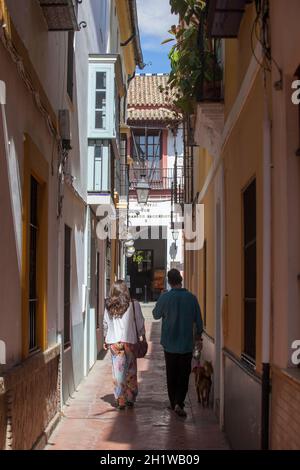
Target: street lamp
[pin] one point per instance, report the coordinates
(142, 189)
(130, 251)
(129, 243)
(175, 234)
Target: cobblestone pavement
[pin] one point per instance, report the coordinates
(90, 422)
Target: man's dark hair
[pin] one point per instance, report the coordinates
(174, 277)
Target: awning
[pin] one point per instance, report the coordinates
(224, 17)
(60, 15)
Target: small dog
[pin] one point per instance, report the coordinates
(203, 382)
(197, 354)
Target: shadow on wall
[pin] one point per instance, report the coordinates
(73, 355)
(31, 400)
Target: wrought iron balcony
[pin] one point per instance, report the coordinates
(224, 17)
(159, 179)
(60, 15)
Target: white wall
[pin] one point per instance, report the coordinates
(48, 54)
(178, 146)
(90, 40)
(20, 115)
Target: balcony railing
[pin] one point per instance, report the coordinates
(60, 15)
(159, 179)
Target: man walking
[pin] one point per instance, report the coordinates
(180, 312)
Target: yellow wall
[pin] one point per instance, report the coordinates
(242, 160)
(209, 230)
(238, 54)
(243, 157)
(4, 16)
(202, 164)
(194, 267)
(125, 33)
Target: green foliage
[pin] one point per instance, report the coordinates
(189, 67)
(138, 257)
(186, 9)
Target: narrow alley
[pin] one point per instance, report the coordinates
(149, 155)
(90, 422)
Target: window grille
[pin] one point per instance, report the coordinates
(33, 246)
(250, 272)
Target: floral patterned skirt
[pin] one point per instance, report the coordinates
(124, 370)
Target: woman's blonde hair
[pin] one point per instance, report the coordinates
(119, 299)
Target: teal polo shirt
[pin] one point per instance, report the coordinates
(180, 313)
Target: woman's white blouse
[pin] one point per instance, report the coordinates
(123, 329)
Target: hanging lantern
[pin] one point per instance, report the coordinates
(175, 234)
(130, 250)
(142, 189)
(129, 243)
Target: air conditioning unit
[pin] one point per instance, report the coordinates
(65, 128)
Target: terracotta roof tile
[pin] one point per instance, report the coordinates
(147, 102)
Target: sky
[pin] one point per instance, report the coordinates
(155, 20)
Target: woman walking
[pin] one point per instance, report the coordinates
(123, 326)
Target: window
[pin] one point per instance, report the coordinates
(70, 72)
(117, 114)
(99, 166)
(100, 105)
(103, 96)
(123, 149)
(33, 246)
(124, 166)
(67, 287)
(250, 272)
(147, 147)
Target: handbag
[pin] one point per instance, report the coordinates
(140, 348)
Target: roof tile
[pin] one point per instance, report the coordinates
(147, 102)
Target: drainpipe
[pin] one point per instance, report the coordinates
(123, 44)
(135, 34)
(266, 301)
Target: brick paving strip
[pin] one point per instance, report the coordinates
(90, 422)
